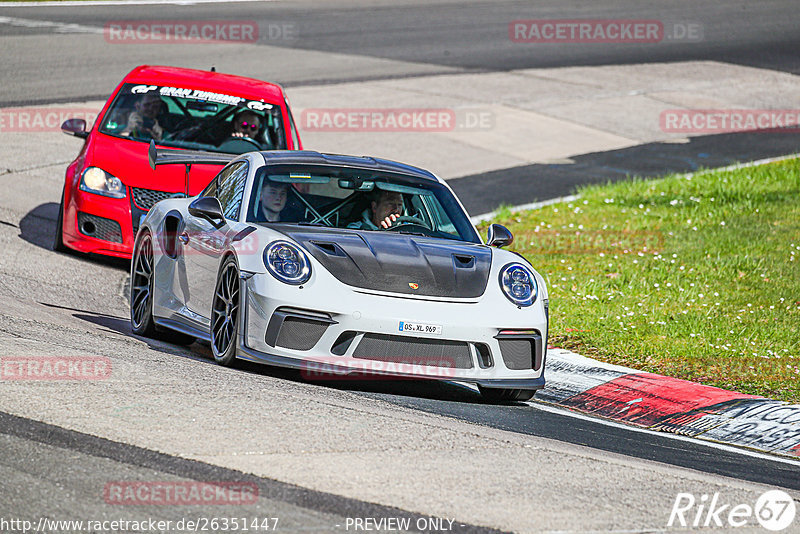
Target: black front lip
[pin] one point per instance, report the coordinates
(511, 383)
(339, 370)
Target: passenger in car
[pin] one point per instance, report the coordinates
(273, 200)
(384, 209)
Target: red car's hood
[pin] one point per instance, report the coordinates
(127, 160)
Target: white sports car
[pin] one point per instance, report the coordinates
(339, 265)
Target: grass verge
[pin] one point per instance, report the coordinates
(693, 277)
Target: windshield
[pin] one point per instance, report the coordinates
(357, 199)
(191, 118)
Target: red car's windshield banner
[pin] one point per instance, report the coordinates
(198, 94)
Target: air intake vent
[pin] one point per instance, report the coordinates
(99, 227)
(296, 329)
(463, 262)
(521, 351)
(331, 249)
(414, 351)
(300, 334)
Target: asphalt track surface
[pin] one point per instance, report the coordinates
(445, 36)
(531, 419)
(432, 38)
(410, 39)
(54, 452)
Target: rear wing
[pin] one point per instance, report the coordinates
(165, 156)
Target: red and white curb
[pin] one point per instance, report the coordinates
(671, 405)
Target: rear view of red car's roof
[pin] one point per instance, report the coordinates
(205, 80)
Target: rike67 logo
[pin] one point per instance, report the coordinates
(774, 510)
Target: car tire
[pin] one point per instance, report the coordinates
(141, 297)
(506, 395)
(225, 313)
(58, 239)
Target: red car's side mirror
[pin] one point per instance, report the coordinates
(76, 127)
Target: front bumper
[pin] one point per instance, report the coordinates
(359, 333)
(115, 220)
(99, 210)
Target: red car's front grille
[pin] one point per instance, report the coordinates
(147, 198)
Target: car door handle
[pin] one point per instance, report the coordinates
(184, 237)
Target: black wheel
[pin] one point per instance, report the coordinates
(225, 314)
(506, 395)
(142, 278)
(142, 288)
(58, 239)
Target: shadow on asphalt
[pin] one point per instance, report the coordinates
(200, 351)
(376, 386)
(122, 326)
(38, 227)
(482, 193)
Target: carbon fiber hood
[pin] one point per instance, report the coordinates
(387, 261)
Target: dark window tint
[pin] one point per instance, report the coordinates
(194, 119)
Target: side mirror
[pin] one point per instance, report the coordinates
(207, 208)
(499, 236)
(76, 127)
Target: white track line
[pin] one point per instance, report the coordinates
(538, 205)
(59, 27)
(523, 207)
(560, 410)
(697, 441)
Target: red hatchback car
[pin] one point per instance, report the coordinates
(110, 186)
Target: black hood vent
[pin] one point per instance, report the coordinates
(398, 263)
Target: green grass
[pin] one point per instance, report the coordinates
(692, 277)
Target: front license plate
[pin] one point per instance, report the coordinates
(420, 328)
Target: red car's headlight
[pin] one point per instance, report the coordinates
(96, 180)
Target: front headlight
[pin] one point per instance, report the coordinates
(96, 180)
(519, 284)
(287, 263)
